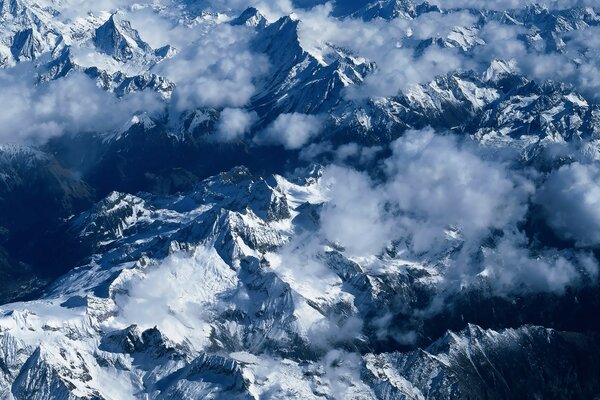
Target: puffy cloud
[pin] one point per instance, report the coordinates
(570, 198)
(576, 64)
(433, 183)
(386, 327)
(399, 70)
(359, 154)
(398, 67)
(511, 268)
(327, 333)
(206, 77)
(445, 184)
(342, 370)
(355, 215)
(218, 70)
(502, 42)
(233, 124)
(216, 67)
(391, 45)
(159, 30)
(33, 113)
(298, 263)
(292, 131)
(431, 25)
(580, 63)
(441, 195)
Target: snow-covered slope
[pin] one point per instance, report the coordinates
(500, 105)
(478, 363)
(142, 261)
(210, 294)
(299, 81)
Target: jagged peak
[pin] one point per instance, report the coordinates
(141, 120)
(390, 9)
(251, 17)
(132, 340)
(116, 197)
(280, 40)
(500, 68)
(236, 175)
(214, 371)
(110, 217)
(537, 8)
(341, 55)
(286, 23)
(116, 37)
(386, 9)
(167, 51)
(12, 7)
(9, 153)
(116, 22)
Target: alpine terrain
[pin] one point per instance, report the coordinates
(299, 199)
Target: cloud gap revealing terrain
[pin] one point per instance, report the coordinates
(299, 199)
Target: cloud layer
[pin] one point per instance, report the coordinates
(432, 184)
(233, 124)
(292, 131)
(217, 70)
(442, 196)
(34, 113)
(570, 198)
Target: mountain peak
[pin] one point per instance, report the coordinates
(12, 7)
(385, 9)
(498, 69)
(250, 17)
(117, 38)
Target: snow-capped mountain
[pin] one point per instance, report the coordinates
(314, 200)
(499, 105)
(187, 296)
(298, 81)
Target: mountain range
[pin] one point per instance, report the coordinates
(332, 200)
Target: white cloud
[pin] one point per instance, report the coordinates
(217, 70)
(233, 124)
(382, 42)
(443, 184)
(576, 64)
(355, 215)
(34, 113)
(342, 370)
(399, 70)
(433, 183)
(511, 268)
(292, 131)
(391, 44)
(328, 333)
(354, 152)
(159, 30)
(571, 200)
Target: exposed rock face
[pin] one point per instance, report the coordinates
(178, 256)
(478, 363)
(186, 296)
(118, 39)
